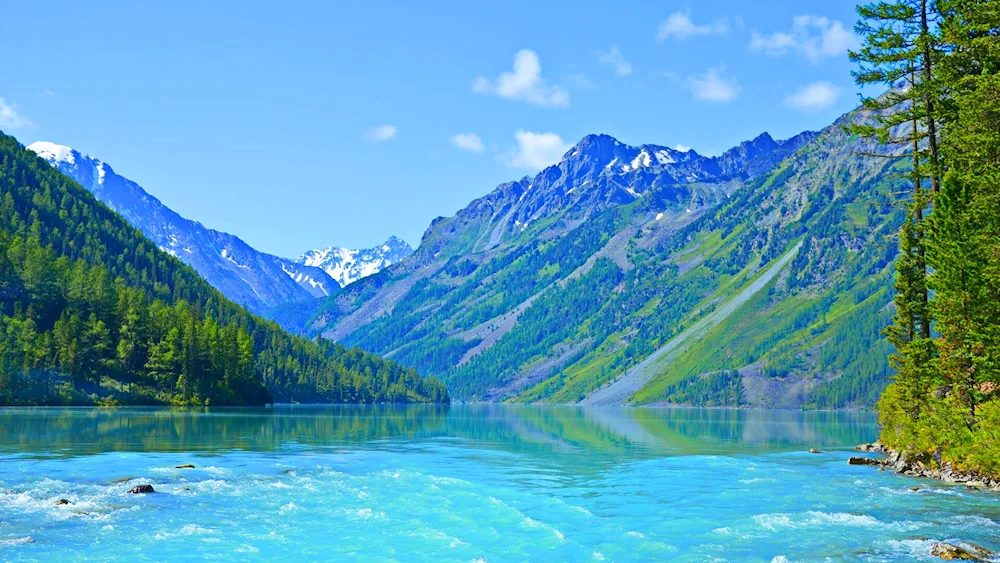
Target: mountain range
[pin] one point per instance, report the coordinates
(255, 279)
(647, 275)
(620, 275)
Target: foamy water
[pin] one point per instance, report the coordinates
(464, 484)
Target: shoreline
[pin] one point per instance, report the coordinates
(906, 465)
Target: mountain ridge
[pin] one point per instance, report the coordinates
(517, 290)
(258, 280)
(346, 265)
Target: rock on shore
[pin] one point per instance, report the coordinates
(865, 461)
(875, 447)
(905, 464)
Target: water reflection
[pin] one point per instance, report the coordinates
(597, 432)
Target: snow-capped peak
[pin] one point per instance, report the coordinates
(53, 152)
(347, 265)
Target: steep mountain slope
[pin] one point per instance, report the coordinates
(599, 173)
(808, 334)
(257, 280)
(346, 265)
(758, 277)
(92, 311)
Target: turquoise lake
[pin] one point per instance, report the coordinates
(465, 483)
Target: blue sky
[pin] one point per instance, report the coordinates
(298, 125)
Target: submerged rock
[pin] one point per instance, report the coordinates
(964, 551)
(854, 460)
(122, 480)
(141, 490)
(814, 451)
(185, 466)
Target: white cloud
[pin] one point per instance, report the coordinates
(524, 83)
(616, 60)
(680, 26)
(682, 148)
(381, 133)
(710, 87)
(536, 150)
(10, 118)
(467, 142)
(815, 37)
(813, 97)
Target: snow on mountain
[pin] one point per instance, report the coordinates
(346, 265)
(257, 280)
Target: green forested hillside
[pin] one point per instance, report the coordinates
(659, 292)
(91, 311)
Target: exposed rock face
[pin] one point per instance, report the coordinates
(875, 447)
(141, 490)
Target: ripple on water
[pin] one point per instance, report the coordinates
(186, 530)
(7, 542)
(815, 519)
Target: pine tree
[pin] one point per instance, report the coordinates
(944, 403)
(965, 249)
(900, 52)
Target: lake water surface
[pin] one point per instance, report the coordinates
(464, 483)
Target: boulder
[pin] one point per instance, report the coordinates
(185, 466)
(141, 490)
(875, 447)
(863, 461)
(964, 551)
(62, 502)
(901, 464)
(814, 451)
(914, 489)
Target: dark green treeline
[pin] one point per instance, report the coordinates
(942, 59)
(93, 312)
